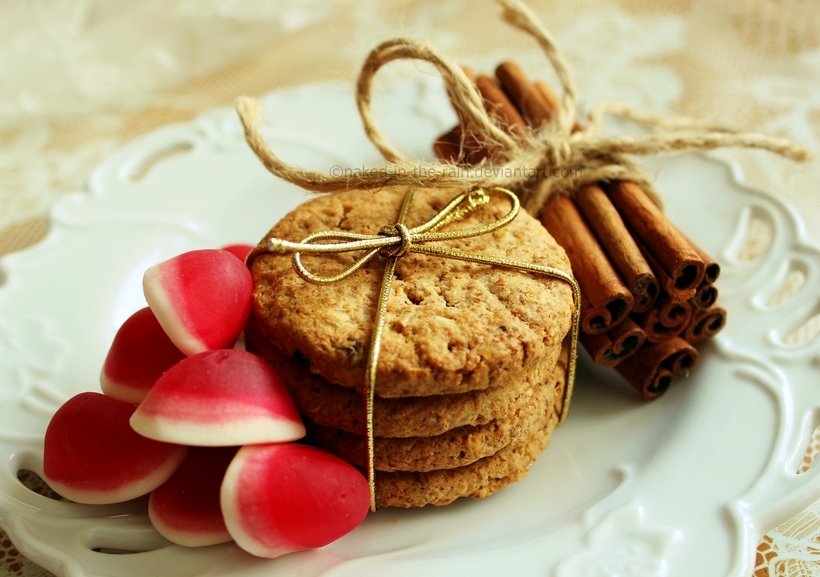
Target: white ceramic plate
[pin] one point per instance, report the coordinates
(685, 485)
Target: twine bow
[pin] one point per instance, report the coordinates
(534, 165)
(394, 241)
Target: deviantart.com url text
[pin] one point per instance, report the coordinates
(456, 171)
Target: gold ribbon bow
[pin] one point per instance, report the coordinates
(394, 241)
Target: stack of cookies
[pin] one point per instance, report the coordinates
(471, 374)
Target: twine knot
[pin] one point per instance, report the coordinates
(557, 151)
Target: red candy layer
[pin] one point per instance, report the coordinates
(240, 251)
(281, 498)
(201, 298)
(140, 353)
(219, 398)
(185, 510)
(91, 454)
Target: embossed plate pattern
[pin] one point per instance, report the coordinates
(685, 485)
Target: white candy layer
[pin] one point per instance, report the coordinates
(166, 313)
(245, 431)
(185, 538)
(273, 547)
(127, 492)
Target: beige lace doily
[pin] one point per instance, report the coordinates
(745, 63)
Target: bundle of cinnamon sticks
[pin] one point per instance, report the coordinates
(648, 292)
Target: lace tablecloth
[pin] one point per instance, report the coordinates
(83, 76)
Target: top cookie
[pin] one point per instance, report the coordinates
(451, 326)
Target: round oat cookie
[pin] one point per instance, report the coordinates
(454, 448)
(343, 408)
(451, 326)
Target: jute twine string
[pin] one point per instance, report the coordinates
(528, 164)
(394, 241)
(536, 165)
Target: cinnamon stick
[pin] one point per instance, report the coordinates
(601, 216)
(705, 324)
(448, 146)
(666, 319)
(711, 272)
(681, 360)
(610, 348)
(651, 372)
(470, 151)
(495, 101)
(681, 268)
(706, 296)
(606, 301)
(535, 101)
(515, 82)
(674, 312)
(663, 279)
(523, 94)
(613, 235)
(459, 146)
(656, 260)
(547, 95)
(455, 146)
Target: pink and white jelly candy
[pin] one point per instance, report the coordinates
(92, 455)
(185, 509)
(219, 398)
(140, 353)
(201, 298)
(282, 498)
(240, 251)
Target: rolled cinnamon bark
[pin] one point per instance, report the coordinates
(448, 146)
(664, 279)
(523, 94)
(673, 312)
(711, 271)
(600, 214)
(680, 266)
(454, 146)
(616, 240)
(606, 301)
(552, 100)
(496, 102)
(610, 348)
(666, 319)
(470, 150)
(706, 296)
(651, 371)
(535, 101)
(516, 84)
(681, 361)
(547, 94)
(705, 324)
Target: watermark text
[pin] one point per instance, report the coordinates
(523, 173)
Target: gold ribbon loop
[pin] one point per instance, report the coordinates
(393, 240)
(396, 240)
